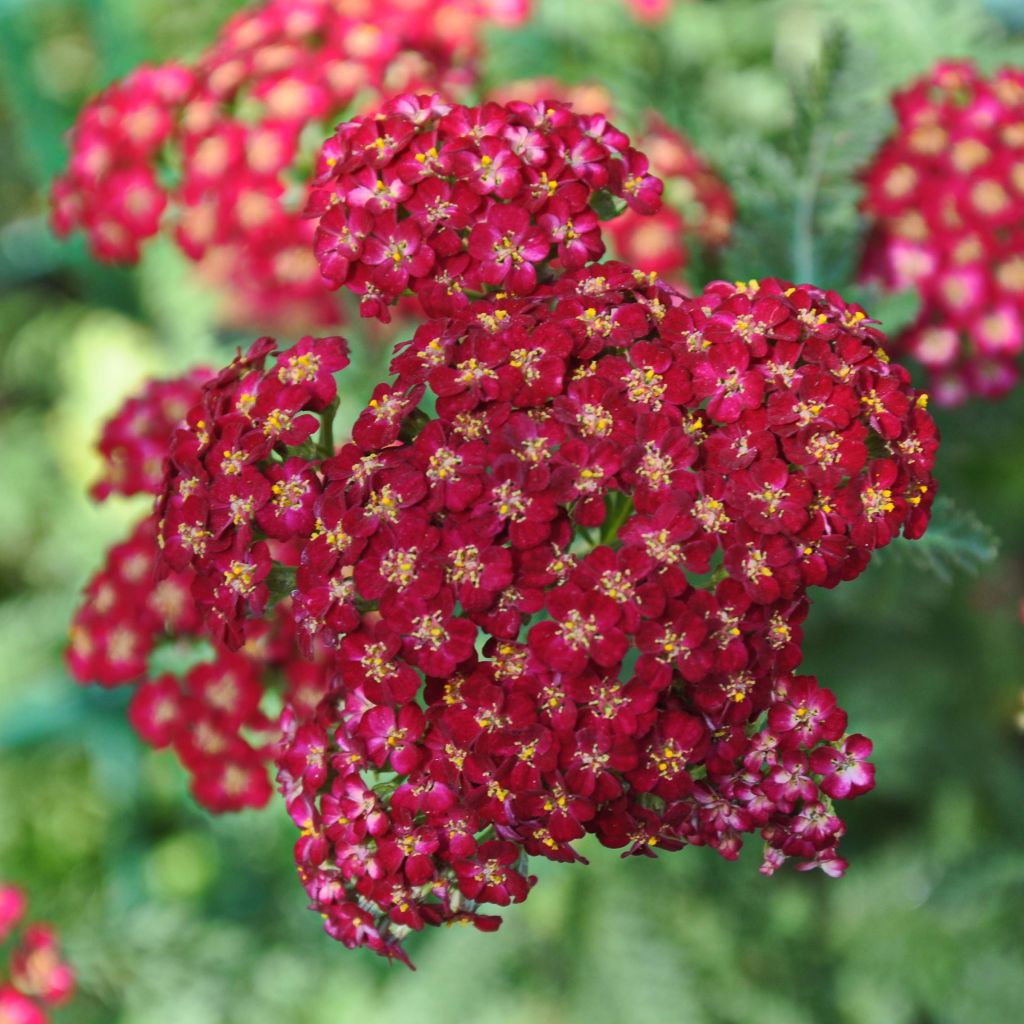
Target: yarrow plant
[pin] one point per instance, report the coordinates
(36, 976)
(551, 581)
(570, 599)
(943, 196)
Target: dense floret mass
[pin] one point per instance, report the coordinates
(453, 202)
(242, 484)
(551, 583)
(562, 567)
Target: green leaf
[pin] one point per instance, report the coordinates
(281, 582)
(956, 541)
(607, 206)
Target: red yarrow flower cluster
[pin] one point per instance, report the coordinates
(212, 713)
(577, 592)
(37, 977)
(944, 196)
(451, 202)
(569, 601)
(218, 150)
(554, 581)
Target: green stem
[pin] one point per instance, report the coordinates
(804, 257)
(717, 576)
(620, 511)
(325, 442)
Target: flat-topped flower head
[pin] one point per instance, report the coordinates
(552, 582)
(449, 202)
(570, 599)
(552, 585)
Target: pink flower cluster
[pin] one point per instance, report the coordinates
(553, 581)
(37, 976)
(217, 151)
(570, 600)
(943, 195)
(231, 507)
(452, 202)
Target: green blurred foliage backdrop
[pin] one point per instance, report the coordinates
(173, 916)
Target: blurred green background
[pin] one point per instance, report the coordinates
(173, 916)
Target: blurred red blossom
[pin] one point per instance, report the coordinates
(944, 196)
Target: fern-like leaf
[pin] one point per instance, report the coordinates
(956, 541)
